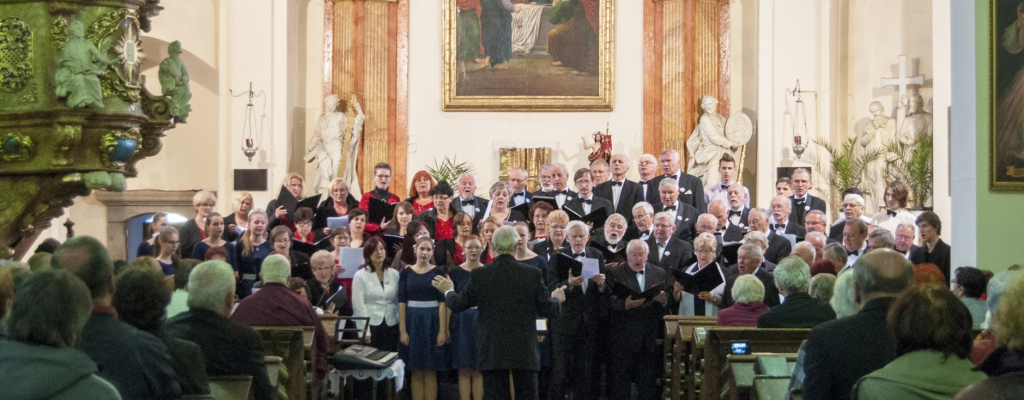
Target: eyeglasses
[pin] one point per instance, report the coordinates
(382, 176)
(705, 251)
(174, 243)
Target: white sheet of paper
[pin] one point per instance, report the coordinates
(590, 268)
(542, 325)
(350, 259)
(337, 222)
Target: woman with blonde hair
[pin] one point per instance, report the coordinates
(277, 215)
(192, 231)
(250, 250)
(487, 227)
(236, 222)
(419, 192)
(337, 204)
(554, 233)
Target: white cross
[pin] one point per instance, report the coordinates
(902, 81)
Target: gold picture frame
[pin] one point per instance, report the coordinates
(1006, 80)
(529, 81)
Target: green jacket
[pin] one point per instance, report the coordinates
(923, 374)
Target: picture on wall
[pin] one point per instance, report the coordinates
(528, 55)
(1006, 141)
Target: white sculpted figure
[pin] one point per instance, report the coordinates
(918, 122)
(710, 140)
(335, 145)
(878, 132)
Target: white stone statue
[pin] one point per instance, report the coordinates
(335, 145)
(917, 122)
(714, 136)
(878, 132)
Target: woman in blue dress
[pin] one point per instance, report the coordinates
(215, 238)
(464, 326)
(250, 250)
(167, 250)
(422, 321)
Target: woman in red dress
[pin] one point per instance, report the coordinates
(419, 192)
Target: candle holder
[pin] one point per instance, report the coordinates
(249, 124)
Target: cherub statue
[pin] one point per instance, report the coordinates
(77, 73)
(600, 149)
(174, 82)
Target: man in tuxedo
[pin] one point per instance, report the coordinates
(750, 260)
(802, 201)
(818, 240)
(509, 296)
(585, 202)
(842, 351)
(904, 240)
(855, 235)
(778, 247)
(610, 240)
(782, 224)
(599, 169)
(691, 188)
(468, 202)
(814, 221)
(737, 198)
(559, 185)
(635, 326)
(880, 238)
(853, 208)
(727, 170)
(517, 179)
(623, 193)
(684, 215)
(666, 250)
(800, 310)
(643, 220)
(728, 231)
(648, 169)
(544, 175)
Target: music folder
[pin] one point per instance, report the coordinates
(596, 217)
(379, 211)
(565, 264)
(546, 199)
(523, 209)
(623, 291)
(290, 203)
(390, 243)
(705, 280)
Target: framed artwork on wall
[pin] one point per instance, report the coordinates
(1006, 136)
(528, 55)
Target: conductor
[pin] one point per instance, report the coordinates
(510, 296)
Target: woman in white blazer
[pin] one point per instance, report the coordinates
(375, 295)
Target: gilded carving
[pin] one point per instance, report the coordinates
(68, 137)
(60, 33)
(30, 95)
(117, 147)
(15, 54)
(16, 147)
(122, 81)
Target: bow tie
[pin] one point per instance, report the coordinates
(673, 208)
(520, 194)
(640, 272)
(800, 200)
(614, 183)
(467, 202)
(736, 213)
(563, 191)
(578, 255)
(645, 233)
(890, 213)
(643, 182)
(776, 227)
(725, 187)
(661, 244)
(853, 253)
(589, 201)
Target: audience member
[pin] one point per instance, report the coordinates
(880, 238)
(1005, 365)
(985, 343)
(179, 297)
(822, 287)
(823, 267)
(837, 255)
(748, 292)
(799, 310)
(6, 294)
(805, 251)
(844, 297)
(928, 274)
(969, 285)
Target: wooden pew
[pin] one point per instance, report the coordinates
(233, 387)
(677, 345)
(718, 346)
(288, 343)
(743, 374)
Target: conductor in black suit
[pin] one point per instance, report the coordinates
(510, 296)
(803, 202)
(623, 193)
(636, 323)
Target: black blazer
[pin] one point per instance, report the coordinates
(547, 249)
(185, 357)
(743, 217)
(844, 350)
(792, 229)
(612, 254)
(134, 361)
(771, 292)
(778, 248)
(835, 232)
(679, 254)
(686, 220)
(939, 256)
(230, 348)
(479, 208)
(636, 330)
(510, 297)
(630, 194)
(798, 213)
(691, 190)
(576, 205)
(579, 308)
(800, 310)
(653, 196)
(188, 235)
(326, 210)
(529, 199)
(734, 233)
(229, 234)
(429, 219)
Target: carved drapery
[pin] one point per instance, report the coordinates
(686, 56)
(366, 52)
(529, 159)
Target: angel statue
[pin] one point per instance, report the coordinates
(714, 136)
(78, 70)
(335, 145)
(600, 149)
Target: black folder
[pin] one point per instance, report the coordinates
(290, 203)
(379, 211)
(610, 256)
(565, 263)
(324, 244)
(390, 243)
(704, 280)
(523, 209)
(597, 217)
(623, 291)
(546, 199)
(730, 252)
(304, 247)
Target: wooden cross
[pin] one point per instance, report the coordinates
(903, 80)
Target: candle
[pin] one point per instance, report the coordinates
(248, 142)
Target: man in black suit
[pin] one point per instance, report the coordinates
(853, 208)
(643, 220)
(510, 297)
(737, 197)
(666, 250)
(691, 188)
(585, 202)
(517, 180)
(727, 230)
(649, 178)
(560, 185)
(684, 215)
(621, 192)
(230, 348)
(468, 202)
(803, 202)
(749, 261)
(136, 362)
(636, 324)
(904, 240)
(855, 240)
(800, 310)
(934, 251)
(609, 240)
(776, 247)
(781, 222)
(842, 351)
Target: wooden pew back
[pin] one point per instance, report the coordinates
(718, 346)
(232, 387)
(678, 350)
(288, 343)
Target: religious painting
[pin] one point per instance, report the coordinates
(1006, 140)
(528, 55)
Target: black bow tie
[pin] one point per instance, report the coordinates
(589, 201)
(890, 213)
(614, 183)
(563, 191)
(578, 255)
(725, 187)
(800, 200)
(467, 202)
(853, 253)
(736, 213)
(645, 233)
(520, 194)
(640, 272)
(776, 227)
(673, 208)
(643, 182)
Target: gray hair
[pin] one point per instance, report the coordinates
(615, 216)
(844, 299)
(867, 272)
(763, 211)
(747, 288)
(755, 236)
(638, 244)
(648, 208)
(561, 167)
(725, 206)
(663, 215)
(545, 166)
(836, 253)
(996, 286)
(805, 250)
(906, 225)
(520, 169)
(822, 286)
(885, 235)
(856, 197)
(799, 170)
(499, 185)
(505, 239)
(50, 309)
(275, 269)
(209, 284)
(668, 182)
(819, 235)
(577, 225)
(705, 240)
(753, 250)
(322, 257)
(816, 212)
(672, 153)
(792, 275)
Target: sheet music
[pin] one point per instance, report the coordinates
(350, 259)
(590, 268)
(337, 222)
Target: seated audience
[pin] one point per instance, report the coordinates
(40, 261)
(844, 297)
(931, 331)
(880, 238)
(823, 266)
(38, 359)
(141, 300)
(179, 297)
(969, 285)
(1005, 365)
(299, 286)
(229, 348)
(6, 293)
(799, 310)
(136, 362)
(928, 274)
(276, 305)
(805, 251)
(822, 287)
(748, 292)
(985, 343)
(837, 255)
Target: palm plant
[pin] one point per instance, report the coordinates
(449, 170)
(846, 168)
(914, 168)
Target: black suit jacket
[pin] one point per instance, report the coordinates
(743, 217)
(691, 190)
(939, 256)
(479, 208)
(323, 211)
(835, 232)
(679, 254)
(778, 248)
(630, 194)
(230, 348)
(799, 211)
(734, 233)
(612, 254)
(686, 220)
(771, 292)
(528, 201)
(576, 205)
(842, 351)
(136, 362)
(800, 310)
(652, 194)
(580, 309)
(792, 229)
(636, 330)
(510, 297)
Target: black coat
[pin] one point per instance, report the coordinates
(580, 309)
(734, 233)
(479, 208)
(778, 248)
(653, 197)
(679, 254)
(136, 362)
(771, 292)
(691, 190)
(612, 254)
(939, 256)
(630, 194)
(842, 351)
(636, 330)
(188, 235)
(686, 220)
(185, 356)
(792, 228)
(576, 205)
(510, 297)
(512, 199)
(229, 234)
(800, 310)
(326, 210)
(230, 348)
(799, 211)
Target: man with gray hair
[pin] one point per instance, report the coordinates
(467, 200)
(805, 251)
(837, 255)
(599, 168)
(880, 238)
(904, 238)
(544, 173)
(666, 250)
(804, 202)
(799, 310)
(842, 351)
(622, 192)
(818, 240)
(643, 220)
(560, 185)
(750, 260)
(518, 177)
(510, 297)
(683, 215)
(229, 348)
(691, 188)
(778, 246)
(609, 239)
(853, 208)
(649, 177)
(276, 305)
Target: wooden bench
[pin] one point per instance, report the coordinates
(288, 343)
(743, 373)
(677, 347)
(717, 348)
(232, 387)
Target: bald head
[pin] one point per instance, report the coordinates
(706, 223)
(805, 251)
(86, 257)
(718, 209)
(881, 273)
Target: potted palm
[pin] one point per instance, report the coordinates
(845, 168)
